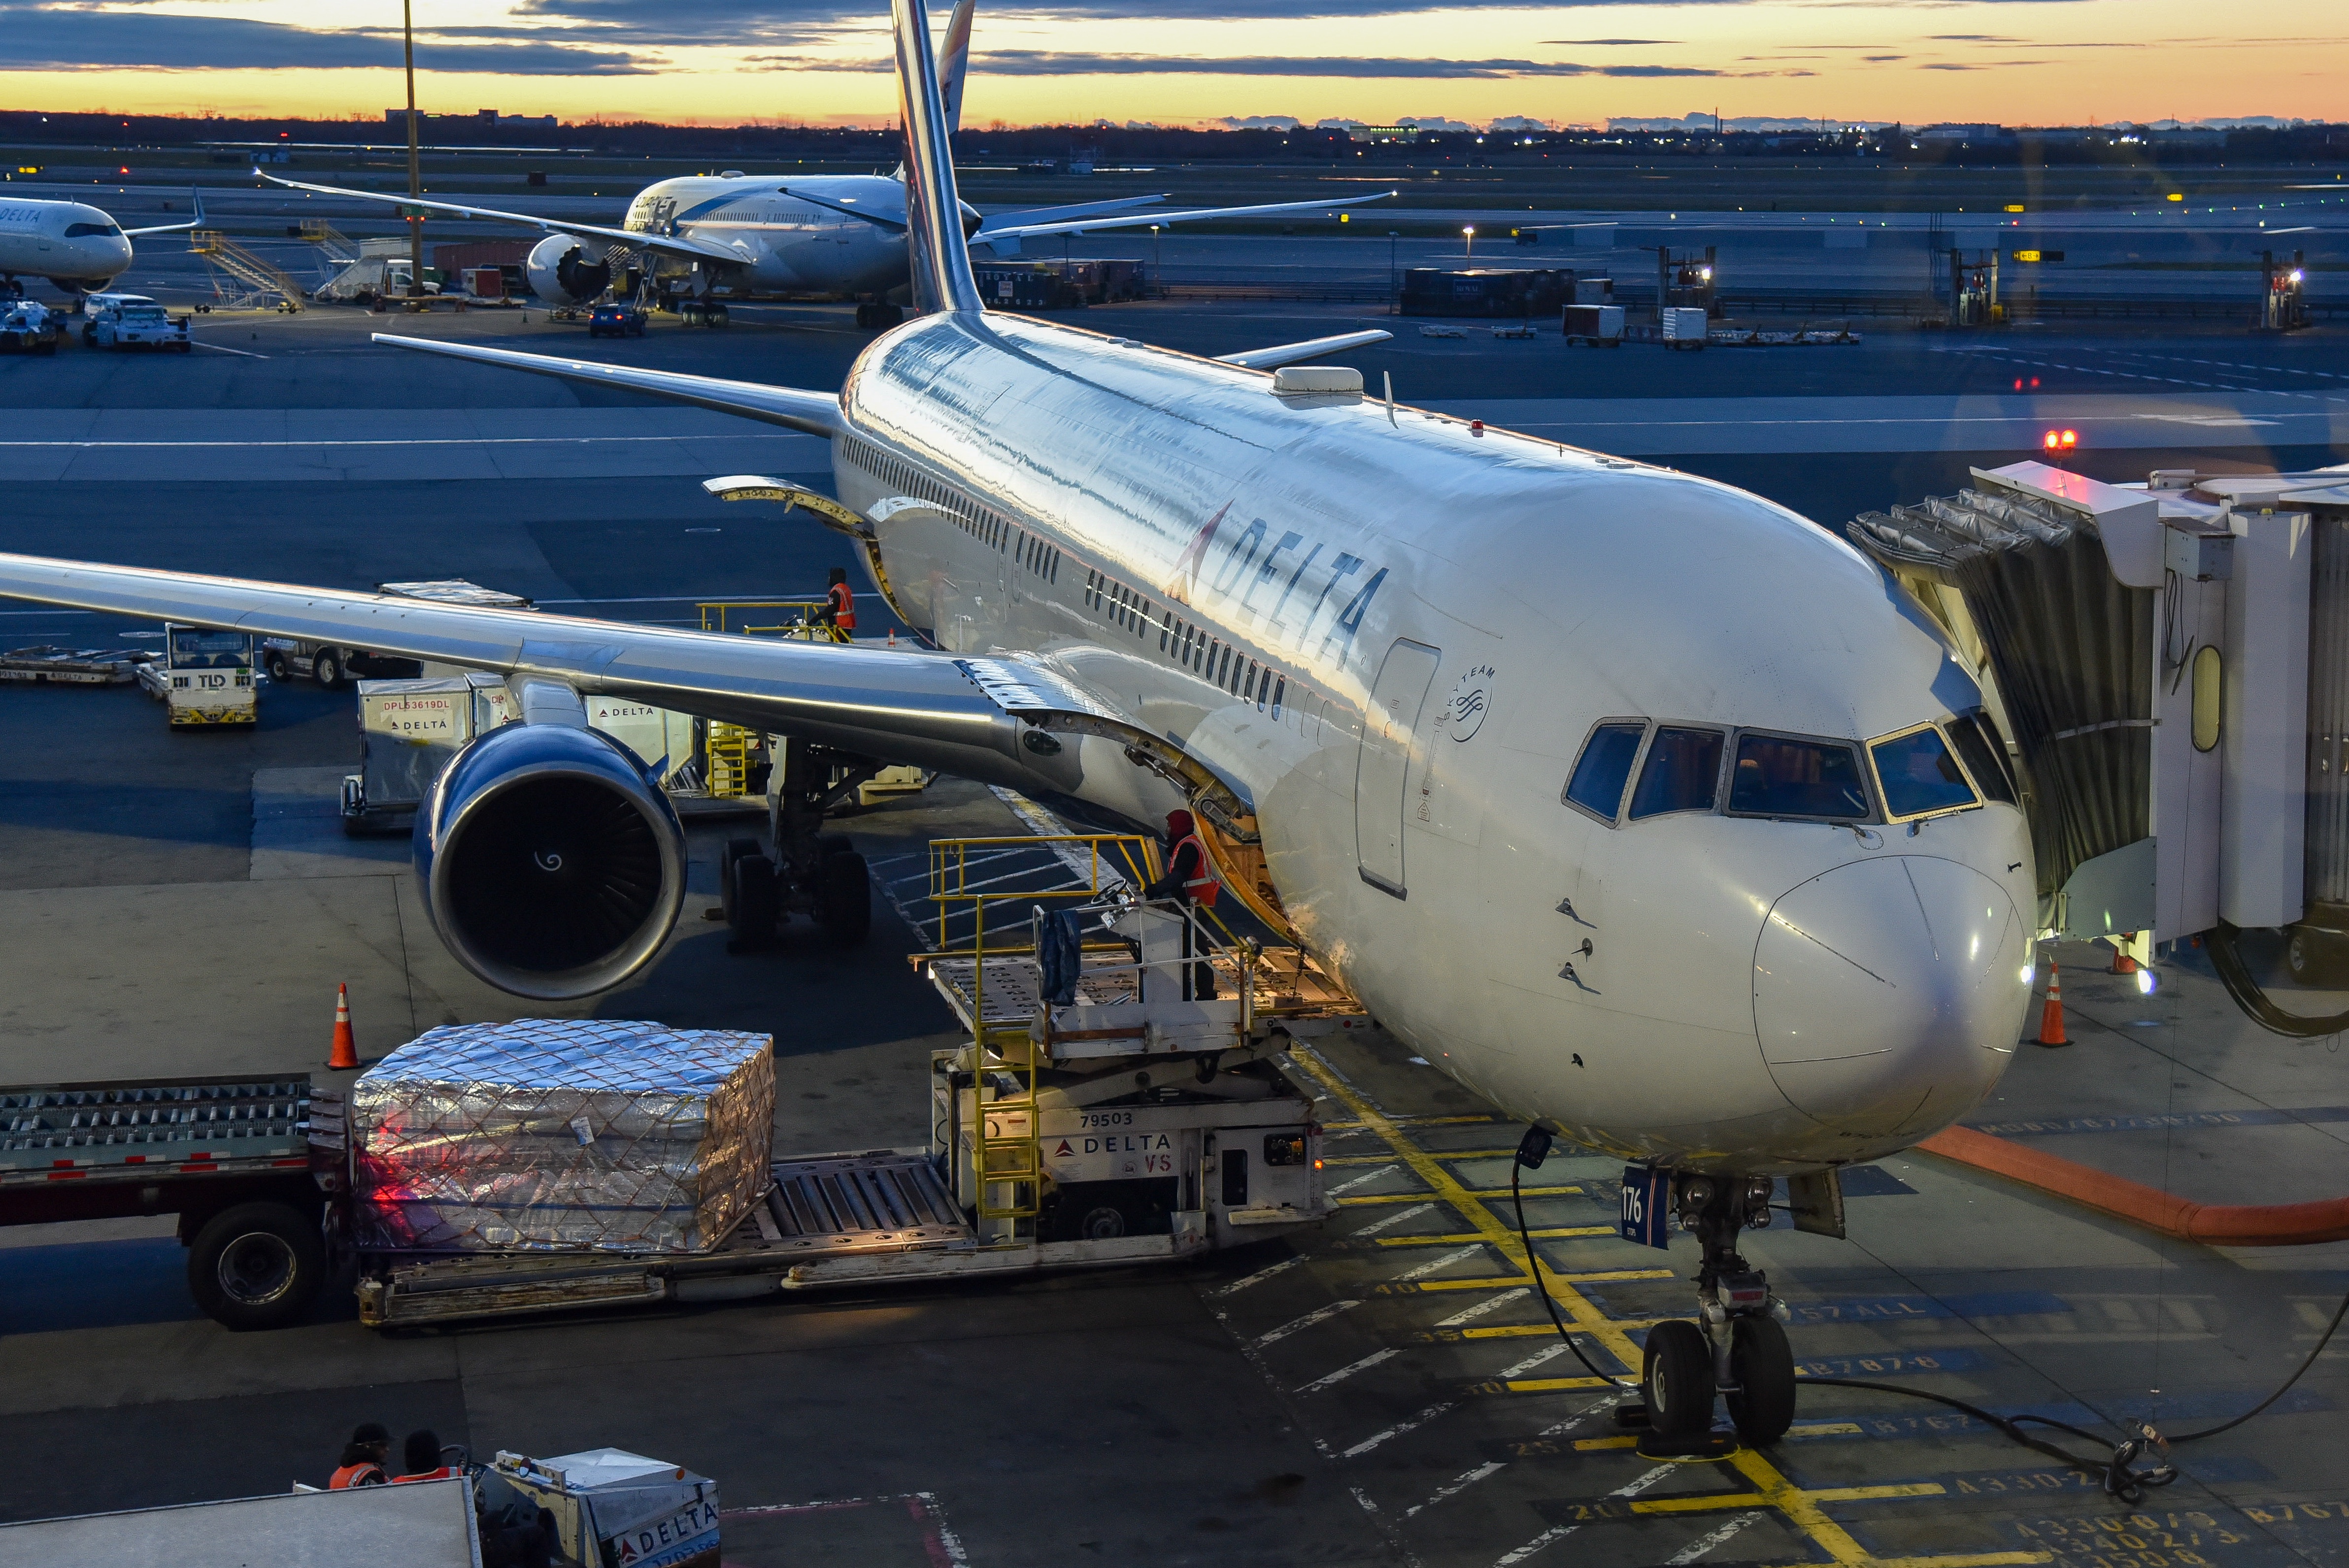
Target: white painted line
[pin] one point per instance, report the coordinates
(1398, 1429)
(1365, 1176)
(1554, 1533)
(1643, 1483)
(1446, 1261)
(1530, 1362)
(1343, 1372)
(1399, 1215)
(1697, 1548)
(1457, 1484)
(1482, 1307)
(1239, 1285)
(221, 348)
(1319, 1315)
(941, 1534)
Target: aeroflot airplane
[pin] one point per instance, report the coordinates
(1648, 810)
(827, 235)
(71, 243)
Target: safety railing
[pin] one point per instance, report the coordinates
(1007, 1157)
(800, 618)
(229, 262)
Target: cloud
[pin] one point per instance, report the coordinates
(1043, 63)
(50, 38)
(1882, 59)
(1605, 43)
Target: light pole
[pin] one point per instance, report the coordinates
(1157, 263)
(415, 180)
(1394, 274)
(1471, 233)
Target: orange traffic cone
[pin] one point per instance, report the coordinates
(2122, 962)
(2050, 1016)
(345, 1054)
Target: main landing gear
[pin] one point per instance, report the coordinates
(1735, 1348)
(823, 878)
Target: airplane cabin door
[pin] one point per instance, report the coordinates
(1391, 734)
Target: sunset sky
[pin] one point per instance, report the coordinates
(2039, 62)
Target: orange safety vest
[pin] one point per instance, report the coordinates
(443, 1473)
(843, 606)
(366, 1474)
(1201, 889)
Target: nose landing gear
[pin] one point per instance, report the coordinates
(1735, 1348)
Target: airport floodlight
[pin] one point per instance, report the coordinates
(1469, 232)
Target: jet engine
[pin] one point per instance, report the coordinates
(551, 867)
(566, 269)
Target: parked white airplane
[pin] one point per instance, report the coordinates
(73, 245)
(1655, 814)
(821, 234)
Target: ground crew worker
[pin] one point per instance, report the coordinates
(1190, 881)
(840, 607)
(363, 1458)
(422, 1453)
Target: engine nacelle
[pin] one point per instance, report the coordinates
(551, 868)
(566, 269)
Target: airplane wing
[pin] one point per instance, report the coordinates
(967, 715)
(1295, 352)
(816, 413)
(195, 199)
(1188, 215)
(666, 245)
(1063, 215)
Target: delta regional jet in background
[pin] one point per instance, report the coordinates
(73, 245)
(823, 235)
(1639, 805)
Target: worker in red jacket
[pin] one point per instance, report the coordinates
(364, 1457)
(1190, 881)
(839, 610)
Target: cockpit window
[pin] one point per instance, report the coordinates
(85, 230)
(1919, 774)
(1983, 758)
(1778, 775)
(1605, 768)
(1682, 773)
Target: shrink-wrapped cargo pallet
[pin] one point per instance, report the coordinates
(562, 1134)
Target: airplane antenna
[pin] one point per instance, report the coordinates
(940, 260)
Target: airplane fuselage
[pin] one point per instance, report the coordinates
(72, 243)
(786, 245)
(1263, 578)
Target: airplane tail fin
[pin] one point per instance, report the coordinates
(941, 261)
(954, 62)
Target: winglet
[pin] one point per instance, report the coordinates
(941, 261)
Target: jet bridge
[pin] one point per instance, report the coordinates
(2171, 663)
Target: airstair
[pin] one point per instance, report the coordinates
(242, 280)
(336, 250)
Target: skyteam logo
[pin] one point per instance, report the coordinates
(1465, 710)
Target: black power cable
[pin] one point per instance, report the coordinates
(2227, 958)
(2120, 1476)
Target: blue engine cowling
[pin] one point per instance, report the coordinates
(551, 867)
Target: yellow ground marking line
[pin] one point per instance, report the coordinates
(1438, 1153)
(1577, 1310)
(1553, 1384)
(1538, 1330)
(1504, 1281)
(1454, 1192)
(1403, 1121)
(1459, 1236)
(1756, 1500)
(1771, 1489)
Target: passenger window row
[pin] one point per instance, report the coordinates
(1924, 771)
(1224, 665)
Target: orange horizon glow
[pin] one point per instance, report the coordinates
(1965, 60)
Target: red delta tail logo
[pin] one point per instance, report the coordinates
(1186, 576)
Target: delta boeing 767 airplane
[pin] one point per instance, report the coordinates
(1639, 805)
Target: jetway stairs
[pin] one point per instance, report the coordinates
(242, 280)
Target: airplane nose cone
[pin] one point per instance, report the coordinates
(1887, 994)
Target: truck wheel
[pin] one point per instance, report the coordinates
(326, 668)
(1090, 1211)
(257, 1265)
(278, 670)
(844, 899)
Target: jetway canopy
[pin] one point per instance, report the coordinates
(2171, 660)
